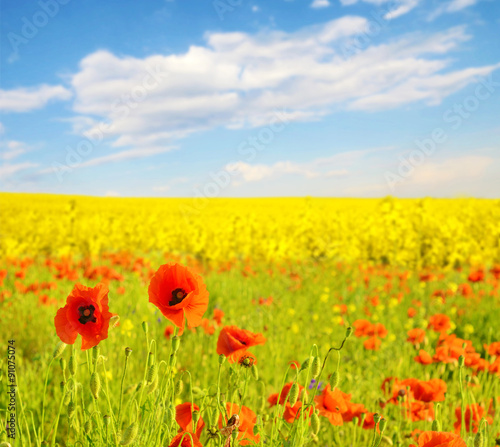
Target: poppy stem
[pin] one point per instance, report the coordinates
(119, 420)
(43, 400)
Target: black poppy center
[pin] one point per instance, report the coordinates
(87, 314)
(177, 296)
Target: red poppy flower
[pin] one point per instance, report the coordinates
(439, 322)
(473, 415)
(218, 315)
(184, 417)
(180, 294)
(248, 419)
(439, 439)
(423, 357)
(233, 342)
(416, 336)
(185, 439)
(331, 404)
(86, 313)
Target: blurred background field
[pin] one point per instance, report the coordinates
(410, 233)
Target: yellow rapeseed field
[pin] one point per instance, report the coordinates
(406, 232)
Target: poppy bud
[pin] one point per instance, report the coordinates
(88, 426)
(145, 328)
(305, 364)
(130, 434)
(376, 418)
(59, 349)
(153, 385)
(334, 380)
(72, 365)
(152, 370)
(71, 409)
(382, 424)
(179, 386)
(107, 419)
(95, 384)
(113, 321)
(435, 425)
(315, 424)
(67, 398)
(128, 351)
(261, 404)
(169, 417)
(176, 342)
(461, 361)
(293, 395)
(479, 439)
(255, 372)
(315, 367)
(222, 359)
(62, 364)
(348, 332)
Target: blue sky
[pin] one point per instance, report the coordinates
(240, 98)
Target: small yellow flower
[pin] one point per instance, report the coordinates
(337, 319)
(323, 298)
(393, 302)
(469, 329)
(291, 312)
(315, 317)
(352, 308)
(326, 289)
(391, 338)
(295, 328)
(127, 326)
(375, 317)
(453, 310)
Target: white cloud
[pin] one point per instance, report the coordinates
(239, 80)
(397, 7)
(451, 6)
(317, 4)
(444, 172)
(325, 167)
(27, 99)
(126, 155)
(12, 149)
(254, 173)
(7, 169)
(458, 5)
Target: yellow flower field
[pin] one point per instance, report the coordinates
(403, 232)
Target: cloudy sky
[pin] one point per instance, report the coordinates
(181, 98)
